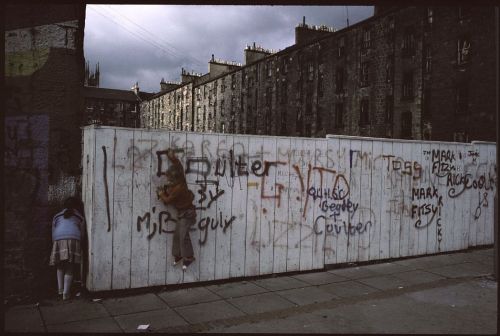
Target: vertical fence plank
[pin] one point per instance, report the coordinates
(158, 242)
(281, 217)
(141, 209)
(365, 225)
(101, 234)
(253, 207)
(376, 200)
(390, 206)
(330, 235)
(295, 196)
(306, 231)
(320, 179)
(224, 214)
(268, 204)
(355, 192)
(342, 191)
(239, 206)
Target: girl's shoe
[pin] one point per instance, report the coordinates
(176, 260)
(186, 263)
(65, 297)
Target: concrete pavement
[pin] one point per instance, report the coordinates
(450, 293)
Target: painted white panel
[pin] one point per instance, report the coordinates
(158, 247)
(397, 194)
(328, 221)
(295, 198)
(306, 229)
(376, 200)
(389, 205)
(141, 207)
(320, 178)
(101, 233)
(355, 164)
(367, 220)
(268, 194)
(341, 189)
(224, 214)
(281, 217)
(256, 164)
(239, 206)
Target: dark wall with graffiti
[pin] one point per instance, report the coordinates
(43, 79)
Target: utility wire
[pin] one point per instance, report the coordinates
(154, 44)
(179, 52)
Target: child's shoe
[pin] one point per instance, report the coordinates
(65, 297)
(186, 263)
(176, 260)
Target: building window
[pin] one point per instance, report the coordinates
(341, 47)
(389, 109)
(339, 115)
(463, 50)
(310, 71)
(269, 95)
(284, 92)
(320, 85)
(365, 69)
(408, 48)
(428, 59)
(339, 80)
(233, 81)
(389, 69)
(223, 127)
(233, 100)
(406, 125)
(367, 43)
(222, 108)
(430, 15)
(223, 85)
(407, 86)
(426, 113)
(364, 117)
(464, 12)
(462, 99)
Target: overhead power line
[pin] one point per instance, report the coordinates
(179, 52)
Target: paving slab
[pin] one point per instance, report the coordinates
(355, 272)
(157, 319)
(99, 325)
(306, 295)
(385, 282)
(429, 261)
(387, 268)
(188, 296)
(280, 283)
(133, 304)
(261, 303)
(462, 270)
(348, 289)
(320, 278)
(236, 289)
(74, 310)
(208, 311)
(418, 277)
(25, 318)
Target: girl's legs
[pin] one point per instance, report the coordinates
(60, 278)
(68, 278)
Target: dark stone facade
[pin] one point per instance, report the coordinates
(44, 75)
(395, 74)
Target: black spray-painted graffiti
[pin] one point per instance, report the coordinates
(465, 181)
(164, 218)
(105, 180)
(336, 229)
(483, 202)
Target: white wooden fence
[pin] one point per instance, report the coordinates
(276, 204)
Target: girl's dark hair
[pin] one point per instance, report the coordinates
(71, 204)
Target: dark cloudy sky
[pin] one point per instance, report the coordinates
(146, 43)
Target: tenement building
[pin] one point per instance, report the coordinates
(110, 107)
(411, 73)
